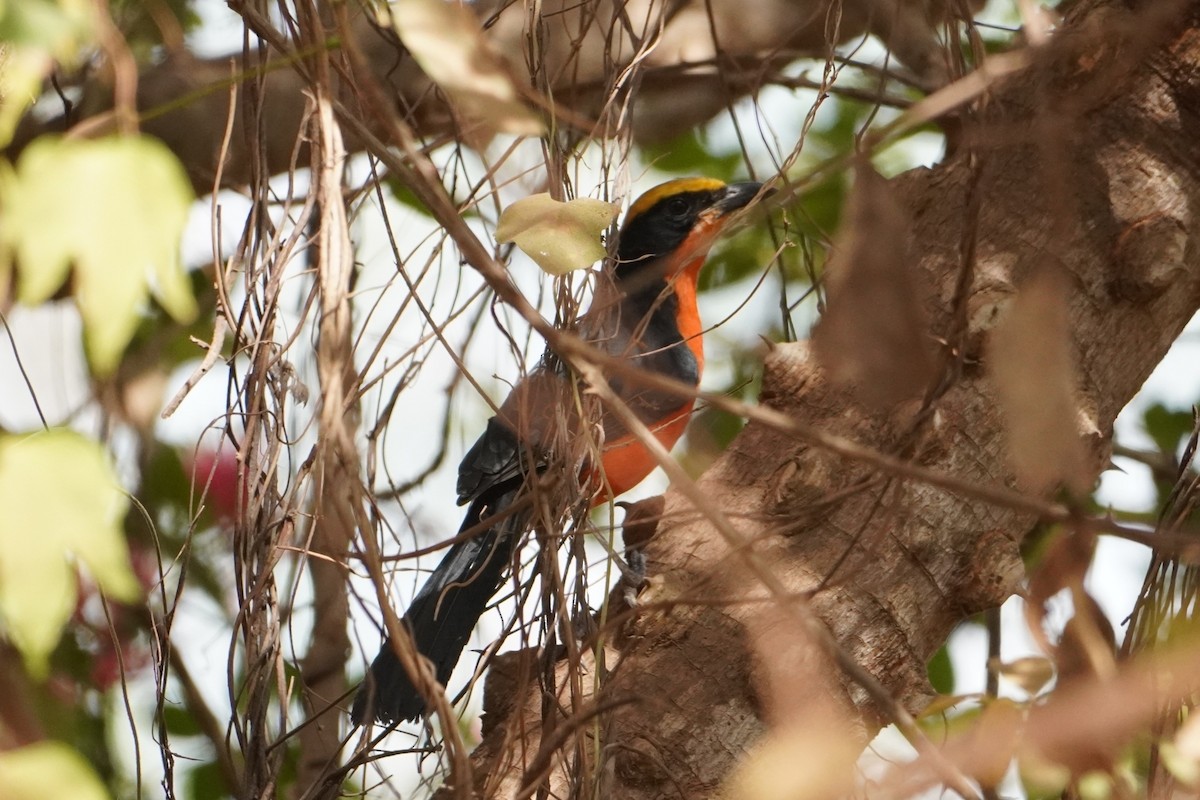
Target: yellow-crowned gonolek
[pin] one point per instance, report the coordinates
(655, 325)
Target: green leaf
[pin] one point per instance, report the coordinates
(737, 259)
(560, 237)
(402, 194)
(838, 135)
(180, 721)
(62, 505)
(48, 771)
(822, 205)
(1167, 427)
(941, 671)
(688, 155)
(140, 22)
(165, 482)
(115, 209)
(205, 782)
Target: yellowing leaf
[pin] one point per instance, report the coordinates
(1031, 673)
(48, 771)
(115, 209)
(1095, 785)
(1182, 767)
(943, 703)
(59, 27)
(560, 237)
(796, 763)
(1187, 739)
(1042, 777)
(447, 42)
(36, 34)
(62, 505)
(1000, 726)
(1181, 756)
(21, 72)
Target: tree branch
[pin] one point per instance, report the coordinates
(590, 49)
(1086, 163)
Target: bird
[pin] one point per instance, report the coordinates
(645, 314)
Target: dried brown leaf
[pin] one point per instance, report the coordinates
(1079, 728)
(783, 649)
(141, 397)
(1064, 565)
(1033, 367)
(447, 42)
(641, 520)
(874, 334)
(1088, 643)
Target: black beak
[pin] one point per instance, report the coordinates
(737, 195)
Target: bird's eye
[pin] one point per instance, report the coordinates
(678, 207)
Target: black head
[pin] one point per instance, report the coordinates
(662, 219)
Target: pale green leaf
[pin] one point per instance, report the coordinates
(35, 34)
(1094, 785)
(57, 27)
(942, 703)
(1181, 764)
(21, 72)
(49, 771)
(1187, 743)
(446, 40)
(560, 237)
(62, 505)
(1042, 777)
(115, 210)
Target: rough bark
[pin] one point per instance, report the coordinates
(1086, 162)
(690, 67)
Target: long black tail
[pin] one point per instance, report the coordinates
(442, 615)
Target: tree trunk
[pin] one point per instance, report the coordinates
(1086, 163)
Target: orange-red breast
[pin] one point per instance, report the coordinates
(647, 316)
